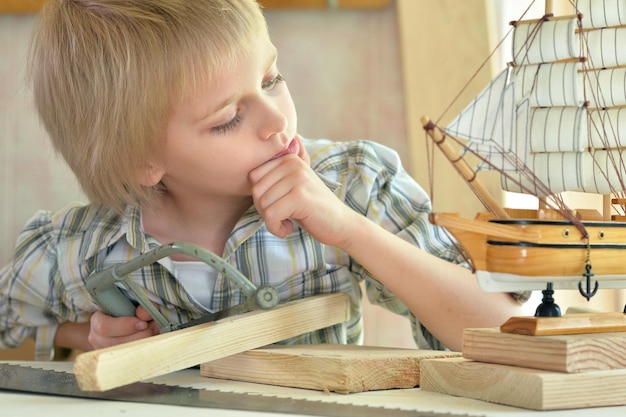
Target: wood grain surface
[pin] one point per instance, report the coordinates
(108, 368)
(562, 353)
(326, 367)
(568, 324)
(523, 387)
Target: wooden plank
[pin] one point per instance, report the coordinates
(589, 214)
(327, 367)
(290, 4)
(32, 6)
(567, 324)
(20, 6)
(322, 4)
(523, 387)
(561, 353)
(361, 4)
(108, 368)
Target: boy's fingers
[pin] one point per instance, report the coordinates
(142, 314)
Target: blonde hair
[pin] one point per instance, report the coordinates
(105, 74)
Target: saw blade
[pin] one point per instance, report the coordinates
(23, 378)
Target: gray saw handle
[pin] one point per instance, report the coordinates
(105, 292)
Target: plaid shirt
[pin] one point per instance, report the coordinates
(44, 284)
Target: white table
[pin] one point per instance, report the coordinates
(13, 404)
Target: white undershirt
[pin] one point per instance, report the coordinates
(198, 279)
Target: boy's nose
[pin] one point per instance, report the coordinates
(272, 122)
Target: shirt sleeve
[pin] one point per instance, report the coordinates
(374, 183)
(394, 200)
(30, 291)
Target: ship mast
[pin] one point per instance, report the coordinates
(558, 7)
(549, 7)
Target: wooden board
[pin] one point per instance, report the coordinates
(20, 6)
(562, 353)
(108, 368)
(31, 6)
(523, 387)
(327, 367)
(568, 324)
(322, 4)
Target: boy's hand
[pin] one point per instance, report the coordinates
(286, 189)
(108, 331)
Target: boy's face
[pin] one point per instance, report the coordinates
(238, 121)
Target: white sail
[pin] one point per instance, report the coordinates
(607, 128)
(545, 41)
(608, 172)
(488, 123)
(605, 47)
(602, 13)
(606, 88)
(485, 118)
(561, 108)
(565, 126)
(559, 84)
(600, 172)
(552, 172)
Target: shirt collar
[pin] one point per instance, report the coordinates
(132, 228)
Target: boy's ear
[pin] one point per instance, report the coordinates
(150, 175)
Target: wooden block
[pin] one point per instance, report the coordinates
(30, 6)
(523, 387)
(20, 6)
(327, 367)
(549, 214)
(567, 324)
(322, 4)
(516, 213)
(108, 368)
(589, 214)
(561, 353)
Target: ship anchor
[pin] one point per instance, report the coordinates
(588, 293)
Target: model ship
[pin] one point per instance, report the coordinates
(554, 120)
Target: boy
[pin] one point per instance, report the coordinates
(178, 125)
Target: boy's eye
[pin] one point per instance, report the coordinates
(231, 124)
(226, 127)
(268, 85)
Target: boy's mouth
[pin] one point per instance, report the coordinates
(293, 147)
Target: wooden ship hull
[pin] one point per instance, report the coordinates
(524, 254)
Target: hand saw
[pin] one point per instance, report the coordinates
(105, 292)
(23, 378)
